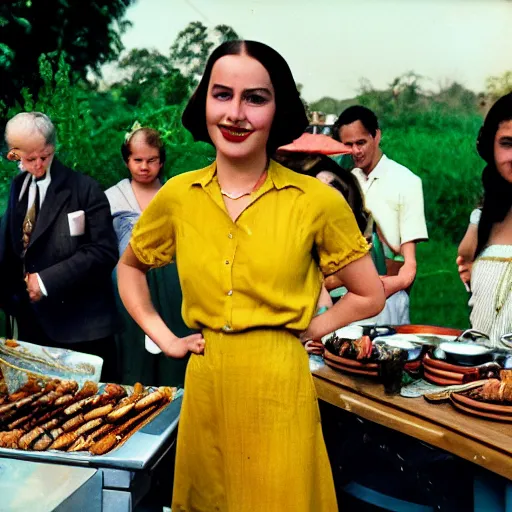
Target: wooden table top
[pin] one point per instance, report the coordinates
(483, 442)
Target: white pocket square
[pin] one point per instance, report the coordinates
(76, 222)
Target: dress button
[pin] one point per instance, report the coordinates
(227, 262)
(230, 293)
(230, 235)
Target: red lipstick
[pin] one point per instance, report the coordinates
(234, 134)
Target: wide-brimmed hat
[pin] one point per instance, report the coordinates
(316, 144)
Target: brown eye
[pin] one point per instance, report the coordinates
(256, 99)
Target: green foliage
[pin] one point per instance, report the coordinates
(432, 134)
(438, 297)
(331, 105)
(152, 78)
(86, 32)
(437, 143)
(441, 150)
(498, 86)
(193, 46)
(91, 126)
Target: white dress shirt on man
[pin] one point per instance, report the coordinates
(394, 195)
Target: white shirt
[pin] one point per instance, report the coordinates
(394, 195)
(31, 183)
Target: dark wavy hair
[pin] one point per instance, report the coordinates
(497, 190)
(290, 119)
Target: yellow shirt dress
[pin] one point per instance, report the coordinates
(250, 438)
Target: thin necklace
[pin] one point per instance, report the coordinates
(258, 184)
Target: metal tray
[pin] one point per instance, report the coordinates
(137, 453)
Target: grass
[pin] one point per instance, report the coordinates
(438, 297)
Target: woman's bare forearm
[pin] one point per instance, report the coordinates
(134, 292)
(348, 309)
(365, 298)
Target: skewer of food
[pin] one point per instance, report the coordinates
(59, 416)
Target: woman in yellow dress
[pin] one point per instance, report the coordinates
(248, 235)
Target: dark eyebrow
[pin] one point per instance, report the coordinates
(220, 86)
(506, 138)
(260, 90)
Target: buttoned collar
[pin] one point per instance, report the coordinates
(378, 172)
(43, 183)
(278, 176)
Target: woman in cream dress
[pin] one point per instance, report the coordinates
(491, 273)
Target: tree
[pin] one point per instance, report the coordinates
(498, 86)
(457, 98)
(87, 33)
(226, 33)
(193, 45)
(152, 77)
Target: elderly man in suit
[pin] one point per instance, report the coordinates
(58, 249)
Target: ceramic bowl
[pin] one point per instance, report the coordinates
(465, 354)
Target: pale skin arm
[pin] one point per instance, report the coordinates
(134, 292)
(324, 300)
(365, 298)
(466, 254)
(406, 275)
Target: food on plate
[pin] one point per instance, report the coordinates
(151, 399)
(98, 412)
(62, 417)
(360, 349)
(110, 440)
(26, 441)
(10, 439)
(495, 390)
(73, 423)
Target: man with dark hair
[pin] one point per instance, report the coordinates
(394, 196)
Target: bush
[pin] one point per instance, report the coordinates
(440, 149)
(91, 126)
(435, 143)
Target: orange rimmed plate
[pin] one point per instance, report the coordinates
(480, 405)
(351, 366)
(480, 413)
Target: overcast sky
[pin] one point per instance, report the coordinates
(331, 44)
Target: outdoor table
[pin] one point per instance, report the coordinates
(485, 443)
(125, 473)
